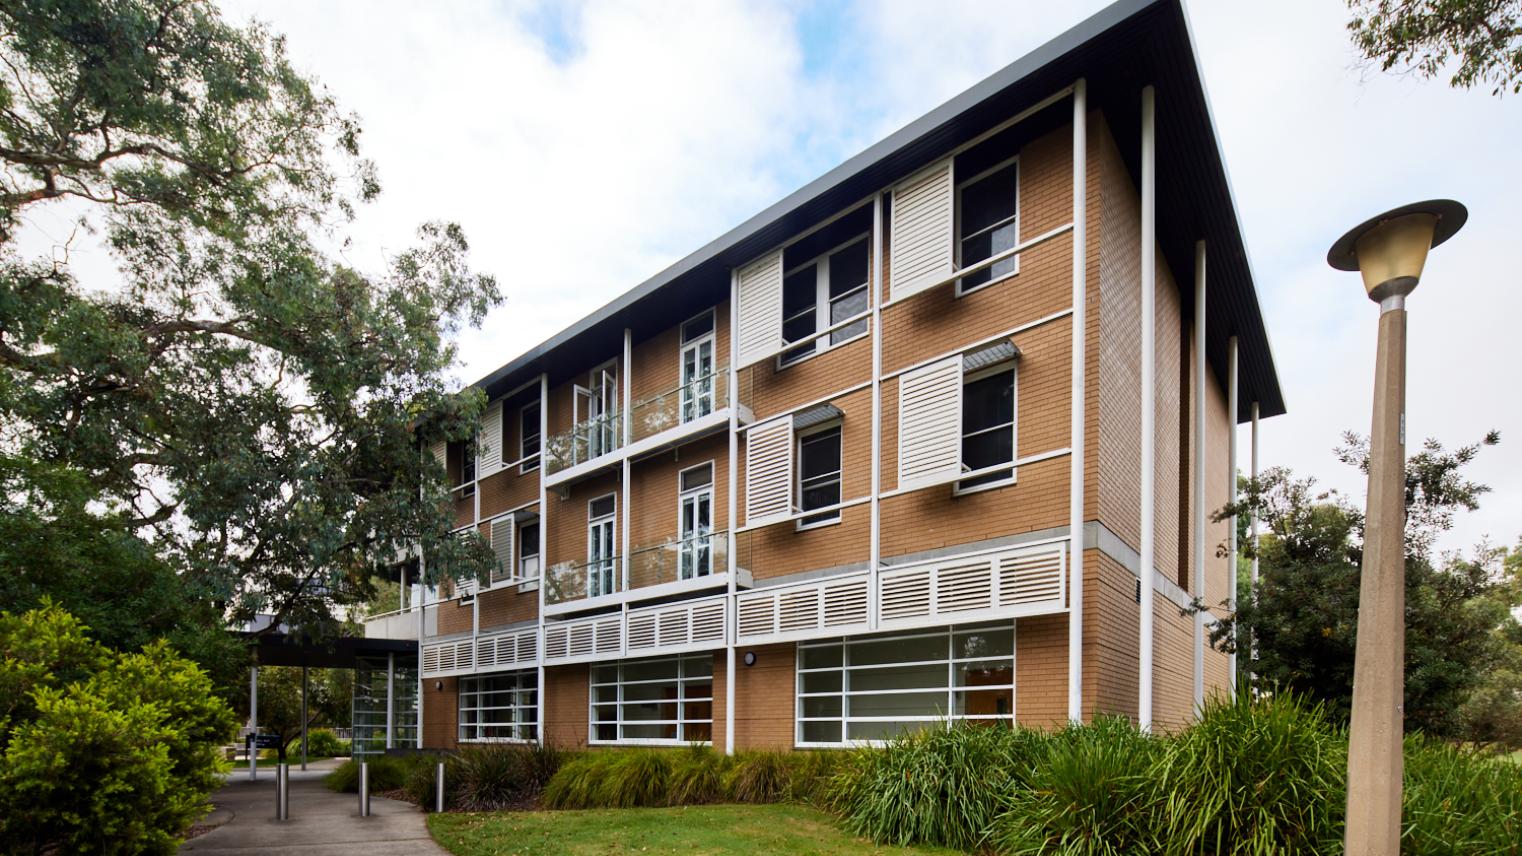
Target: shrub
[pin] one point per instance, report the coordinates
(101, 751)
(757, 777)
(1253, 776)
(323, 743)
(697, 777)
(575, 784)
(495, 776)
(1460, 801)
(387, 773)
(810, 774)
(1089, 793)
(634, 778)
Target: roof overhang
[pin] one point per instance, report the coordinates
(1118, 50)
(279, 649)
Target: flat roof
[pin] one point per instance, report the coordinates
(1118, 50)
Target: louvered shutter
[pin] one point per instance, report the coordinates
(502, 544)
(760, 309)
(769, 471)
(930, 424)
(489, 441)
(440, 451)
(920, 254)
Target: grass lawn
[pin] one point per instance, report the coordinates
(712, 829)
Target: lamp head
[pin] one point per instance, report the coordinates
(1390, 250)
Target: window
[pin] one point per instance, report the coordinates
(602, 562)
(528, 434)
(596, 414)
(697, 367)
(988, 426)
(872, 688)
(988, 223)
(502, 706)
(819, 475)
(695, 522)
(462, 462)
(667, 700)
(528, 551)
(823, 292)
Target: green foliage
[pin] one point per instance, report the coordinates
(323, 743)
(697, 777)
(487, 777)
(1456, 801)
(625, 778)
(387, 773)
(757, 777)
(330, 693)
(225, 418)
(1426, 36)
(102, 752)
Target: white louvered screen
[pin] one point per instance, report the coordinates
(990, 584)
(685, 626)
(502, 544)
(441, 454)
(810, 610)
(489, 441)
(505, 650)
(760, 309)
(920, 254)
(578, 640)
(769, 471)
(930, 424)
(449, 658)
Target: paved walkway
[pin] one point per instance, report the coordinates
(323, 823)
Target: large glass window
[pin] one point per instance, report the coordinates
(528, 447)
(988, 426)
(381, 684)
(462, 466)
(695, 518)
(665, 700)
(873, 688)
(819, 475)
(602, 564)
(988, 223)
(697, 366)
(528, 551)
(502, 706)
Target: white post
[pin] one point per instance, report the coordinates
(1253, 521)
(1075, 472)
(390, 694)
(875, 547)
(303, 717)
(253, 723)
(732, 510)
(421, 605)
(627, 469)
(1231, 495)
(1197, 577)
(1148, 396)
(544, 565)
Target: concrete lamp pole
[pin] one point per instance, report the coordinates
(1389, 251)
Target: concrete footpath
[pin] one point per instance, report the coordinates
(323, 823)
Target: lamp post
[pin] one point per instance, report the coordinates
(1389, 251)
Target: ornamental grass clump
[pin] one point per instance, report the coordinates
(758, 777)
(697, 777)
(1255, 776)
(939, 786)
(1460, 801)
(1088, 792)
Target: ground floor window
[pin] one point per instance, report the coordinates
(872, 688)
(502, 706)
(385, 699)
(664, 700)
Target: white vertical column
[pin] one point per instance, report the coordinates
(1080, 330)
(544, 565)
(1231, 497)
(390, 696)
(732, 511)
(875, 548)
(627, 434)
(1197, 512)
(421, 605)
(253, 722)
(1252, 589)
(1148, 397)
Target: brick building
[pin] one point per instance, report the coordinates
(878, 457)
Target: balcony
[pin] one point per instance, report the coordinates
(570, 452)
(682, 409)
(659, 570)
(699, 624)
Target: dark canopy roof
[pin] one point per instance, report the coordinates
(1120, 49)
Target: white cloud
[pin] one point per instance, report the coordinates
(585, 147)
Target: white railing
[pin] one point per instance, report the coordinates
(673, 628)
(487, 652)
(1007, 582)
(835, 606)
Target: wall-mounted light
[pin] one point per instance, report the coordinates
(438, 686)
(750, 658)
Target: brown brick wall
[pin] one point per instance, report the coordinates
(1041, 671)
(506, 489)
(441, 713)
(657, 366)
(565, 699)
(764, 697)
(566, 537)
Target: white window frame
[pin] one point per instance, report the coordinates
(799, 438)
(527, 465)
(1013, 367)
(958, 238)
(822, 341)
(682, 680)
(951, 661)
(524, 555)
(682, 496)
(468, 452)
(600, 381)
(711, 340)
(610, 519)
(518, 708)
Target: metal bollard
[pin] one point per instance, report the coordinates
(364, 788)
(283, 791)
(438, 804)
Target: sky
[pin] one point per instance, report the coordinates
(586, 146)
